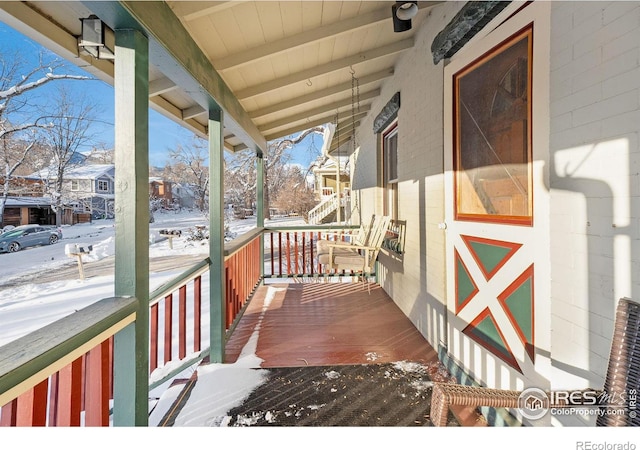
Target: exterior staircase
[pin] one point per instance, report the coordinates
(324, 209)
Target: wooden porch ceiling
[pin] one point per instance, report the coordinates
(276, 68)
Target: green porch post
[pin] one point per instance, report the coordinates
(131, 365)
(260, 204)
(217, 279)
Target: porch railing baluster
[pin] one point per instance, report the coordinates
(168, 327)
(279, 253)
(182, 322)
(197, 314)
(153, 344)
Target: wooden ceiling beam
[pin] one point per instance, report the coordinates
(193, 10)
(324, 69)
(288, 43)
(193, 111)
(336, 89)
(161, 86)
(318, 34)
(303, 119)
(345, 128)
(318, 110)
(296, 128)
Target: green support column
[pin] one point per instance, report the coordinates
(260, 204)
(131, 365)
(217, 279)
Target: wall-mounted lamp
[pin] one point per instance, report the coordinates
(93, 38)
(402, 13)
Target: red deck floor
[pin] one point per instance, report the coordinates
(321, 324)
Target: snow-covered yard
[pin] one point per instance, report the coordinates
(29, 306)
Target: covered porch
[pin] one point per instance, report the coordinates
(307, 334)
(290, 316)
(473, 275)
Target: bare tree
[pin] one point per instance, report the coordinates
(240, 179)
(69, 132)
(101, 154)
(295, 196)
(241, 168)
(21, 116)
(277, 156)
(189, 165)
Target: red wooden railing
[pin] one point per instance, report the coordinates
(175, 325)
(292, 252)
(79, 393)
(76, 395)
(62, 374)
(75, 387)
(242, 274)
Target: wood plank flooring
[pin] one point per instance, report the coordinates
(322, 324)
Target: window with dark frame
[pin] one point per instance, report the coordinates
(390, 169)
(103, 186)
(492, 135)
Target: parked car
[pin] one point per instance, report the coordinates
(29, 236)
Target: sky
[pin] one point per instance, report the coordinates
(164, 134)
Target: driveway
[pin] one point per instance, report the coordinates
(101, 267)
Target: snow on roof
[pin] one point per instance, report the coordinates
(27, 201)
(330, 165)
(84, 172)
(90, 171)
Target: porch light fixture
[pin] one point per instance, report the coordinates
(92, 39)
(402, 13)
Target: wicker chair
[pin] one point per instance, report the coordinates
(623, 376)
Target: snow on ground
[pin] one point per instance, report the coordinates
(30, 306)
(99, 234)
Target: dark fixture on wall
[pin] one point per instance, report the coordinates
(402, 13)
(94, 37)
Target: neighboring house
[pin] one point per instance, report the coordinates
(326, 174)
(86, 189)
(91, 189)
(332, 186)
(161, 191)
(183, 195)
(27, 210)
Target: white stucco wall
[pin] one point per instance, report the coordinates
(416, 281)
(594, 181)
(590, 177)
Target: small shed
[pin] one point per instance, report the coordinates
(26, 210)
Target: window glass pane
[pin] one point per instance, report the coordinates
(492, 140)
(391, 155)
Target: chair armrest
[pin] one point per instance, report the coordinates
(341, 245)
(447, 394)
(339, 233)
(347, 245)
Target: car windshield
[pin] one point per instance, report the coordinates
(12, 233)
